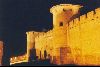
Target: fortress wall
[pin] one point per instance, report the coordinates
(39, 43)
(89, 38)
(1, 52)
(31, 42)
(44, 42)
(49, 46)
(62, 14)
(83, 41)
(84, 38)
(37, 46)
(74, 38)
(87, 28)
(59, 41)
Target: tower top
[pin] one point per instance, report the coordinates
(64, 7)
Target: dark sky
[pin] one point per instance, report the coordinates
(19, 16)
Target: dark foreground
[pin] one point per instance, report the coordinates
(39, 63)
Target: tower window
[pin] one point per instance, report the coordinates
(67, 10)
(61, 23)
(64, 10)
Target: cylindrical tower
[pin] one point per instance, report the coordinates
(30, 43)
(62, 14)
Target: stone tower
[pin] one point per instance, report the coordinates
(62, 14)
(1, 52)
(30, 43)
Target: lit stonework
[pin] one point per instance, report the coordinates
(1, 52)
(71, 41)
(30, 42)
(62, 14)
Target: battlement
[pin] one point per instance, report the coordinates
(86, 17)
(44, 34)
(97, 11)
(84, 51)
(29, 32)
(90, 14)
(32, 32)
(64, 7)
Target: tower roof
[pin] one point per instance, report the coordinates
(59, 8)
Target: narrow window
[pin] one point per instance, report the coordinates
(64, 10)
(61, 23)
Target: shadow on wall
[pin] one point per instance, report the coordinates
(32, 55)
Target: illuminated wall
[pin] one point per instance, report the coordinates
(30, 45)
(72, 40)
(30, 42)
(44, 42)
(62, 14)
(84, 38)
(77, 42)
(1, 52)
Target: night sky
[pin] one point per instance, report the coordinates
(19, 16)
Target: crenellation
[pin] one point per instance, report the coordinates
(78, 44)
(83, 17)
(97, 15)
(76, 21)
(97, 11)
(90, 15)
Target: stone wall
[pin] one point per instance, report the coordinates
(1, 52)
(74, 42)
(83, 36)
(82, 41)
